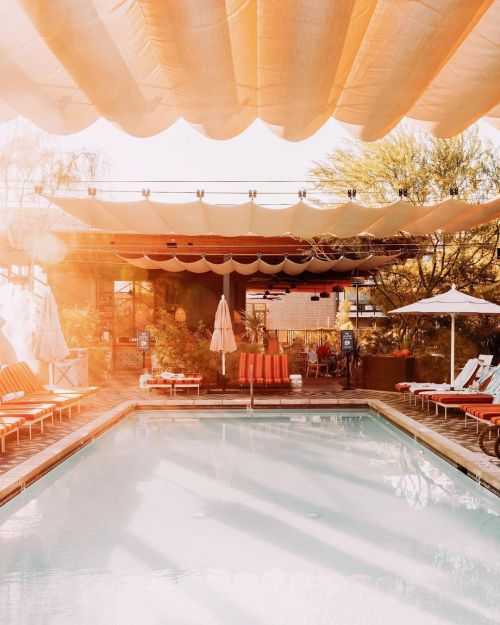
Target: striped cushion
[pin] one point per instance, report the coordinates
(458, 398)
(191, 379)
(248, 360)
(276, 369)
(7, 424)
(402, 386)
(244, 363)
(85, 391)
(481, 411)
(60, 401)
(267, 368)
(27, 411)
(495, 421)
(160, 380)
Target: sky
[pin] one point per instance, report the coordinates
(183, 153)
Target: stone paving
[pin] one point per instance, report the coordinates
(124, 387)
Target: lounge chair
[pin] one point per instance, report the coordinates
(454, 399)
(174, 383)
(9, 425)
(188, 381)
(29, 414)
(482, 413)
(478, 384)
(25, 376)
(19, 377)
(420, 389)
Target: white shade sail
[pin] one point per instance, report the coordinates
(300, 219)
(291, 268)
(222, 64)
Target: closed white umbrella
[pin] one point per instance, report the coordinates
(453, 303)
(50, 344)
(223, 337)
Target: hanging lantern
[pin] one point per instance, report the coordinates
(180, 315)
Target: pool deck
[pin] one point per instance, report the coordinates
(22, 464)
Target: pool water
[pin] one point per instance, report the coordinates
(310, 518)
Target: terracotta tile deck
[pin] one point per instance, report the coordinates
(123, 387)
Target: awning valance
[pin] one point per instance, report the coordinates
(287, 266)
(300, 219)
(222, 64)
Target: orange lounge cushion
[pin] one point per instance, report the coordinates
(26, 411)
(60, 401)
(160, 380)
(402, 386)
(495, 421)
(191, 379)
(482, 411)
(85, 391)
(459, 398)
(7, 424)
(425, 389)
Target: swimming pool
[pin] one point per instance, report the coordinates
(308, 518)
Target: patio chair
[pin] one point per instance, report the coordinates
(314, 366)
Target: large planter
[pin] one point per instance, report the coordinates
(381, 373)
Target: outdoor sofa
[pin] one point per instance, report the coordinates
(269, 371)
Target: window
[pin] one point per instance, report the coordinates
(133, 307)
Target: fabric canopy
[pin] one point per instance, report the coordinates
(221, 64)
(300, 219)
(314, 265)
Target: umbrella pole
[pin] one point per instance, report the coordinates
(452, 355)
(223, 372)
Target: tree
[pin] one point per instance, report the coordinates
(428, 167)
(32, 161)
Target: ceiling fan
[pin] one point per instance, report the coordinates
(271, 296)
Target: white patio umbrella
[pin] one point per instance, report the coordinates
(50, 344)
(451, 303)
(223, 338)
